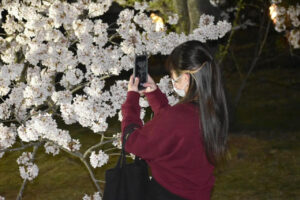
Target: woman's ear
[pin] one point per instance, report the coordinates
(187, 77)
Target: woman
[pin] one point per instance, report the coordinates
(182, 143)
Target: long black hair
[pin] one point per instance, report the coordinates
(205, 90)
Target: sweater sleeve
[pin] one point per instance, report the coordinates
(131, 110)
(157, 100)
(148, 141)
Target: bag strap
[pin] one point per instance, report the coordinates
(127, 131)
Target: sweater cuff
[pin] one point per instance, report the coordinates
(133, 97)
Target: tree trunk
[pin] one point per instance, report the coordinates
(182, 10)
(195, 8)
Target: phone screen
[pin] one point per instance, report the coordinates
(141, 70)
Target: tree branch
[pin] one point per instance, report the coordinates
(233, 30)
(78, 87)
(20, 148)
(95, 146)
(92, 175)
(257, 55)
(80, 156)
(35, 148)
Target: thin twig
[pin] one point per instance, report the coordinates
(95, 146)
(110, 149)
(100, 181)
(80, 156)
(114, 43)
(78, 87)
(233, 30)
(10, 120)
(35, 148)
(92, 175)
(113, 36)
(258, 53)
(20, 148)
(114, 154)
(49, 108)
(112, 24)
(236, 64)
(2, 99)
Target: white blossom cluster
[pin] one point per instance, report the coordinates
(217, 2)
(207, 30)
(15, 99)
(141, 6)
(117, 142)
(28, 170)
(7, 136)
(1, 197)
(51, 148)
(95, 196)
(173, 19)
(62, 97)
(244, 22)
(43, 126)
(9, 73)
(98, 160)
(89, 111)
(158, 41)
(287, 19)
(5, 112)
(35, 32)
(25, 158)
(38, 88)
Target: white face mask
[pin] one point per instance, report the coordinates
(180, 92)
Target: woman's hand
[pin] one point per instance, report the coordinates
(150, 85)
(133, 86)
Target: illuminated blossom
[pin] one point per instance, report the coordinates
(97, 160)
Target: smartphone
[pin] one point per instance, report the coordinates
(140, 70)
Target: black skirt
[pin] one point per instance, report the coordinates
(155, 191)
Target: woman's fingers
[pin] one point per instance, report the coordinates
(136, 81)
(147, 84)
(133, 83)
(131, 80)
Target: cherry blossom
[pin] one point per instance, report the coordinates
(95, 196)
(286, 19)
(97, 160)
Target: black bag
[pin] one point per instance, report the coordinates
(126, 181)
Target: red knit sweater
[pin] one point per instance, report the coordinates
(170, 144)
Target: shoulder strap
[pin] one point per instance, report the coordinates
(128, 130)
